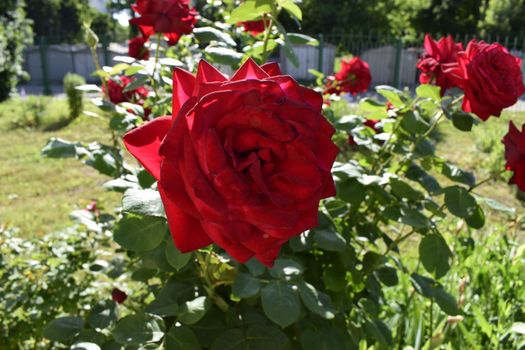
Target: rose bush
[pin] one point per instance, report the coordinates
(244, 161)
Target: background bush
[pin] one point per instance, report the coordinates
(15, 34)
(74, 96)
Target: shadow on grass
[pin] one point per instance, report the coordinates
(60, 124)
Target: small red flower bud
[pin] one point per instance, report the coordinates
(118, 296)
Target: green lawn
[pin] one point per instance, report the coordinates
(482, 152)
(37, 194)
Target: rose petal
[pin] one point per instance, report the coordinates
(272, 69)
(144, 143)
(186, 230)
(249, 70)
(183, 86)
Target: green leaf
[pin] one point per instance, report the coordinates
(462, 121)
(174, 256)
(138, 329)
(59, 148)
(429, 91)
(262, 337)
(291, 7)
(483, 323)
(255, 267)
(133, 70)
(404, 190)
(494, 204)
(140, 233)
(322, 339)
(460, 202)
(315, 301)
(246, 286)
(434, 253)
(330, 240)
(446, 302)
(211, 326)
(136, 83)
(301, 39)
(232, 339)
(167, 300)
(192, 311)
(64, 328)
(380, 332)
(477, 219)
(103, 314)
(416, 173)
(286, 268)
(414, 123)
(207, 34)
(88, 88)
(104, 105)
(393, 95)
(181, 338)
(280, 303)
(144, 202)
(223, 55)
(458, 175)
(85, 346)
(250, 10)
(387, 275)
(423, 285)
(287, 45)
(334, 277)
(414, 218)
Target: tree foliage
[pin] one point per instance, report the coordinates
(15, 34)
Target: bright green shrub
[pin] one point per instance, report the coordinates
(74, 96)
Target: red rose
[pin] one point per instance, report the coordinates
(438, 60)
(116, 91)
(118, 296)
(171, 17)
(490, 77)
(136, 48)
(514, 143)
(244, 161)
(369, 123)
(254, 27)
(353, 77)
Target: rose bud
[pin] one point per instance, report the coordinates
(118, 296)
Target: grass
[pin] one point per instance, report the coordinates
(482, 152)
(37, 194)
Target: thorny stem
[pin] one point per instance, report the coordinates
(105, 92)
(267, 30)
(157, 52)
(209, 287)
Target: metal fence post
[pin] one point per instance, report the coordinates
(397, 62)
(321, 53)
(105, 50)
(43, 63)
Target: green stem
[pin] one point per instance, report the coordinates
(482, 182)
(116, 147)
(267, 32)
(431, 319)
(209, 287)
(157, 53)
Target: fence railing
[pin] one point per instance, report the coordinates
(392, 60)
